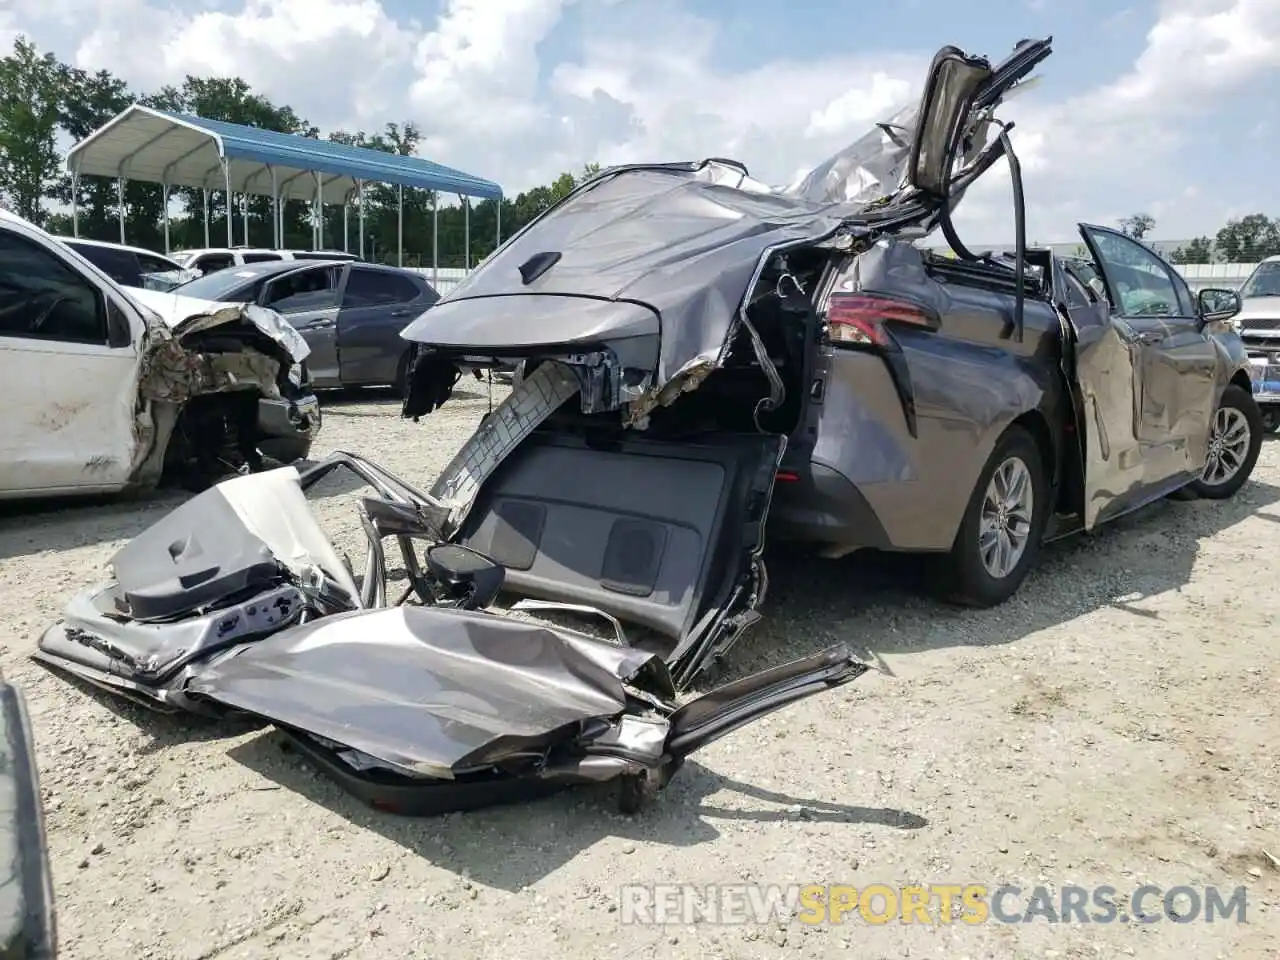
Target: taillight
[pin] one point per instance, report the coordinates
(861, 317)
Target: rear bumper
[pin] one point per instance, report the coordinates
(288, 428)
(820, 505)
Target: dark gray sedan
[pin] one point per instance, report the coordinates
(350, 313)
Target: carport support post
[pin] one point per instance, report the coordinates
(275, 211)
(205, 195)
(435, 239)
(75, 202)
(400, 224)
(360, 191)
(244, 199)
(466, 230)
(120, 205)
(231, 219)
(319, 231)
(164, 207)
(346, 233)
(497, 233)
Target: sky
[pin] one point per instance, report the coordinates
(1168, 107)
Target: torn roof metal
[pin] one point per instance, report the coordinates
(142, 143)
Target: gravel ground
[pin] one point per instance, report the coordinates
(1114, 724)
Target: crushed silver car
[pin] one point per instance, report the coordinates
(237, 602)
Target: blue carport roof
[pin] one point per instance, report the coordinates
(142, 143)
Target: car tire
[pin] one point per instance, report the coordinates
(977, 575)
(400, 388)
(1236, 413)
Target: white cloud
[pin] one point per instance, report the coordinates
(1114, 148)
(647, 80)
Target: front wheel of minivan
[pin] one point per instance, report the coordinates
(1003, 525)
(1235, 439)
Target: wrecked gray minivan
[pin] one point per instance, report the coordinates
(702, 357)
(745, 359)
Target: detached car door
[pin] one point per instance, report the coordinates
(1175, 363)
(376, 306)
(308, 299)
(68, 374)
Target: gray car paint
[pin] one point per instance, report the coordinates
(351, 345)
(237, 602)
(428, 691)
(688, 240)
(671, 252)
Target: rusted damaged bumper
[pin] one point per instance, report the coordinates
(187, 348)
(195, 350)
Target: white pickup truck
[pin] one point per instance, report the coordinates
(107, 388)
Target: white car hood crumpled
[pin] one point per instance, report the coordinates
(184, 315)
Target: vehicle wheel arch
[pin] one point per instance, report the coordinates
(1036, 423)
(1241, 379)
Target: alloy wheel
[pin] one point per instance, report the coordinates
(1228, 446)
(1004, 528)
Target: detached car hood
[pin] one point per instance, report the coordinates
(187, 315)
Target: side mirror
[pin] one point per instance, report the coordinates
(1216, 304)
(950, 87)
(468, 578)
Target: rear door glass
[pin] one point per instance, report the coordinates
(120, 265)
(304, 290)
(371, 288)
(153, 264)
(212, 262)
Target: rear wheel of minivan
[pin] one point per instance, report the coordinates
(400, 388)
(1235, 439)
(1003, 525)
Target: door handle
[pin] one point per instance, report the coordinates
(1149, 337)
(318, 325)
(402, 312)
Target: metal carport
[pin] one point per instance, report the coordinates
(177, 150)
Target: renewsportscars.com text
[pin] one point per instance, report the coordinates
(938, 903)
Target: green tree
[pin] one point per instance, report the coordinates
(1199, 250)
(1138, 225)
(85, 102)
(78, 102)
(1249, 239)
(29, 101)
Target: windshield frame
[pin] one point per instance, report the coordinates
(1267, 268)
